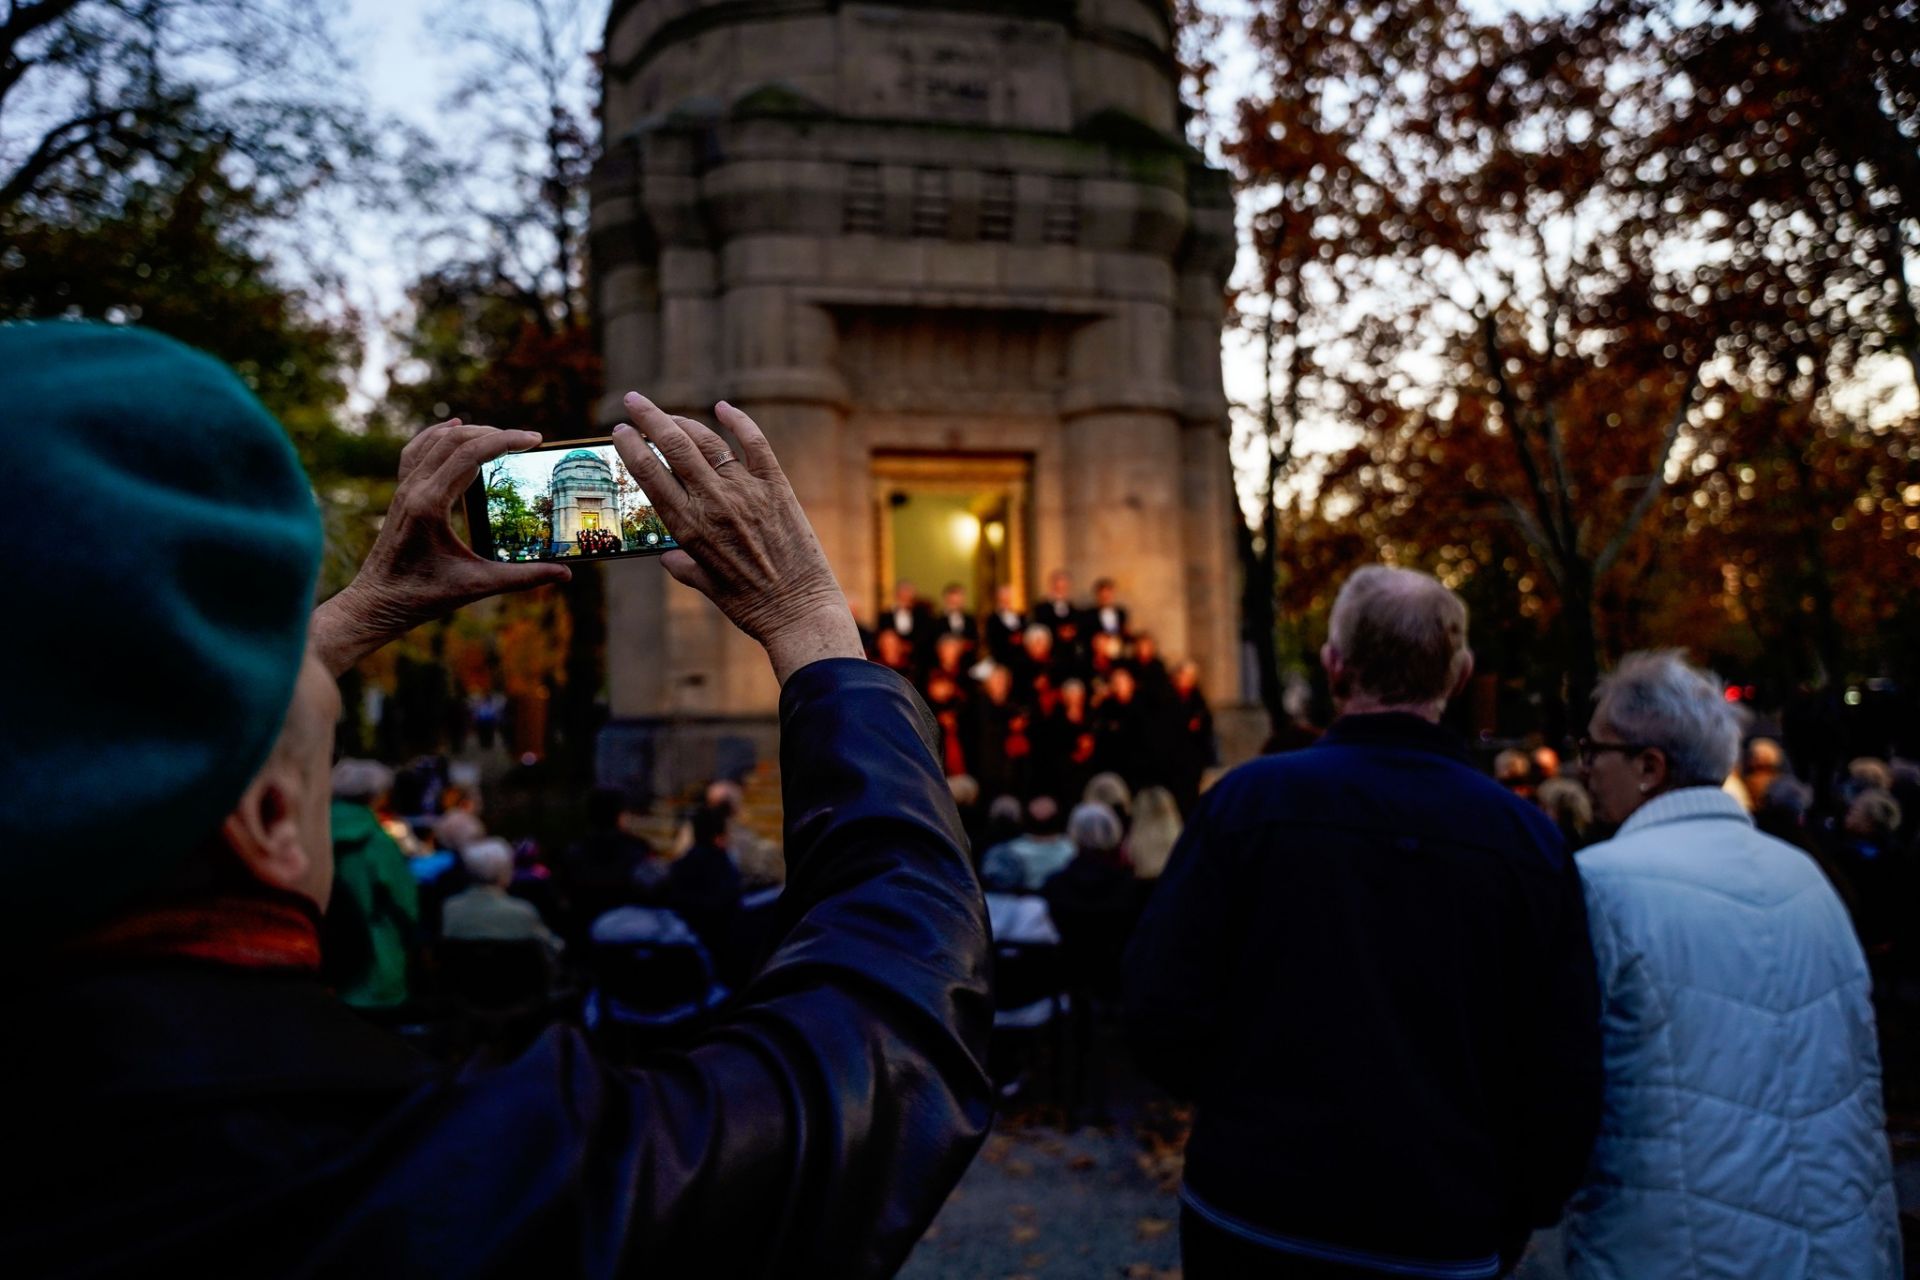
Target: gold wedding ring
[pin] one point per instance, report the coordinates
(726, 456)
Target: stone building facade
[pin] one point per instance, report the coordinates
(584, 495)
(958, 262)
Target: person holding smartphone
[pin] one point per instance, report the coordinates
(186, 1094)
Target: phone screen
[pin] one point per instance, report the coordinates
(569, 501)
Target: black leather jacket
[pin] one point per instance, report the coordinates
(179, 1120)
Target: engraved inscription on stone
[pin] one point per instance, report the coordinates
(953, 67)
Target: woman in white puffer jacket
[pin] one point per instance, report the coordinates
(1743, 1131)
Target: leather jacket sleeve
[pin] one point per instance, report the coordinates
(818, 1128)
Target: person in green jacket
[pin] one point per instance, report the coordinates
(374, 919)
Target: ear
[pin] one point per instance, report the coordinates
(1653, 770)
(264, 832)
(1465, 677)
(1336, 669)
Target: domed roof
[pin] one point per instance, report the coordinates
(583, 467)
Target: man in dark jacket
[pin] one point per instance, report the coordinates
(1369, 966)
(189, 1099)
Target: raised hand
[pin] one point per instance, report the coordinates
(746, 544)
(419, 569)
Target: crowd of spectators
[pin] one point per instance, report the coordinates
(417, 874)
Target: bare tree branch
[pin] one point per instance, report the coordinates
(1656, 482)
(1516, 425)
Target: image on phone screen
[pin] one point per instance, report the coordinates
(567, 501)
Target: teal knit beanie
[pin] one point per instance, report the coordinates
(159, 546)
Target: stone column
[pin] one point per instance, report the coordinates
(1123, 467)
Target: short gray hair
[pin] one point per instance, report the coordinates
(361, 781)
(1655, 699)
(489, 861)
(1094, 828)
(1401, 634)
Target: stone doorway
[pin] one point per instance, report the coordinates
(952, 517)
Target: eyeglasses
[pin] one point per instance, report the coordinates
(1589, 749)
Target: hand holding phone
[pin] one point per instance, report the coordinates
(744, 541)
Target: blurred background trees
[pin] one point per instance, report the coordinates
(1608, 312)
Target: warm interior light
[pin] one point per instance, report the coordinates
(996, 534)
(966, 533)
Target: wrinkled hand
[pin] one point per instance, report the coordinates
(747, 545)
(419, 569)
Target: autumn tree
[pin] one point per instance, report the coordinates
(95, 93)
(1581, 303)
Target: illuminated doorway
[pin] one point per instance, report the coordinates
(944, 518)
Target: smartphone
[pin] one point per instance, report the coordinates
(572, 500)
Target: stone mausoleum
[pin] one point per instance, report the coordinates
(584, 495)
(958, 261)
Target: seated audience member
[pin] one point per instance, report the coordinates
(954, 620)
(1111, 790)
(1156, 829)
(965, 790)
(1005, 820)
(1005, 625)
(1711, 1093)
(1761, 763)
(486, 912)
(202, 1105)
(1570, 808)
(451, 833)
(1192, 750)
(1377, 887)
(372, 929)
(703, 885)
(1093, 898)
(1026, 862)
(607, 867)
(1108, 616)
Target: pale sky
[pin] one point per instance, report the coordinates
(408, 74)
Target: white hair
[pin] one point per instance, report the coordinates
(1095, 828)
(488, 861)
(1655, 699)
(361, 781)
